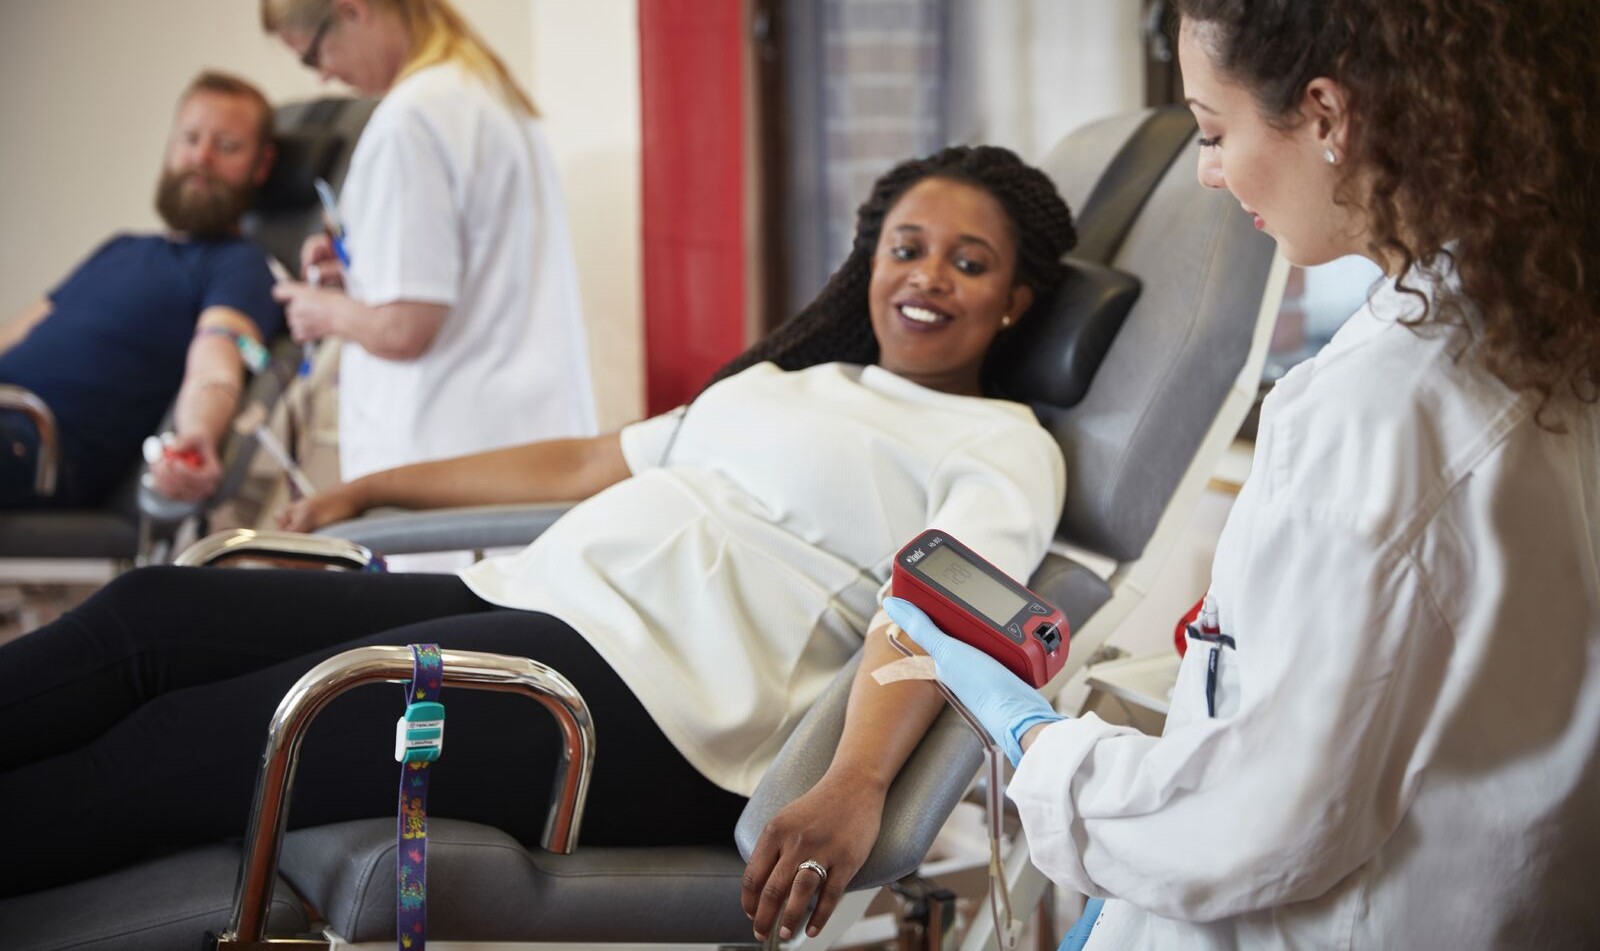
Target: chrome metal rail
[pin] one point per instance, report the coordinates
(27, 402)
(248, 542)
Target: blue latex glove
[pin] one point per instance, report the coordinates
(1005, 704)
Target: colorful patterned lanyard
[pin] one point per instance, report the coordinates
(418, 739)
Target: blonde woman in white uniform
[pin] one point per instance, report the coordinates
(1386, 729)
(460, 302)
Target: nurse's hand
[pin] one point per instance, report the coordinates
(1006, 706)
(319, 263)
(312, 313)
(834, 825)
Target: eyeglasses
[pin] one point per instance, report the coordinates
(313, 54)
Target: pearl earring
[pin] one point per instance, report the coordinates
(1327, 153)
(1005, 321)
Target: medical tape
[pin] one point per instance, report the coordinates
(906, 668)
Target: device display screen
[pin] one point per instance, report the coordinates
(993, 599)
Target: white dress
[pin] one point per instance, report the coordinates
(452, 198)
(1404, 747)
(728, 585)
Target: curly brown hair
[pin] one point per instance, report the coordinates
(837, 325)
(1476, 137)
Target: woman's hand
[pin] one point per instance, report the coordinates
(835, 824)
(1006, 706)
(335, 505)
(312, 313)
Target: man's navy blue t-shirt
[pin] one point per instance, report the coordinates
(109, 358)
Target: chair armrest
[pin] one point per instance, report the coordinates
(282, 546)
(44, 422)
(920, 800)
(474, 527)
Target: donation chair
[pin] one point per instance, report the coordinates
(1143, 370)
(136, 524)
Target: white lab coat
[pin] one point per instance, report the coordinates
(1404, 751)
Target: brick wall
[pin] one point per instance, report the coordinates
(882, 98)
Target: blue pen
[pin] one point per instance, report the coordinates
(331, 221)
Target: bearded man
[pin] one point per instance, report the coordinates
(149, 318)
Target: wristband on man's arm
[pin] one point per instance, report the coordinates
(254, 355)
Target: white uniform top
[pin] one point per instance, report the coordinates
(452, 198)
(1404, 753)
(729, 585)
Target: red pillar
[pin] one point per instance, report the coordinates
(692, 76)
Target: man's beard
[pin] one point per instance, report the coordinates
(210, 212)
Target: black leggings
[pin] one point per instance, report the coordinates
(134, 724)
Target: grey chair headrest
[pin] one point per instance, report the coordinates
(304, 155)
(1052, 356)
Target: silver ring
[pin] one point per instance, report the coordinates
(815, 866)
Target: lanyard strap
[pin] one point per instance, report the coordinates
(419, 737)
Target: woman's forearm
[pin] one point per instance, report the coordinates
(556, 470)
(883, 722)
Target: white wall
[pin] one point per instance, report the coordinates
(87, 89)
(586, 82)
(1041, 68)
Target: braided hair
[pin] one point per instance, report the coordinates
(837, 326)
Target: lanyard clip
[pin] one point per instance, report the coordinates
(419, 733)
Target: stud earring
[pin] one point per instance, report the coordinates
(1327, 153)
(1005, 321)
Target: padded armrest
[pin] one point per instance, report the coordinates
(473, 527)
(923, 795)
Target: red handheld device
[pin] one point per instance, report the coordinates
(978, 604)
